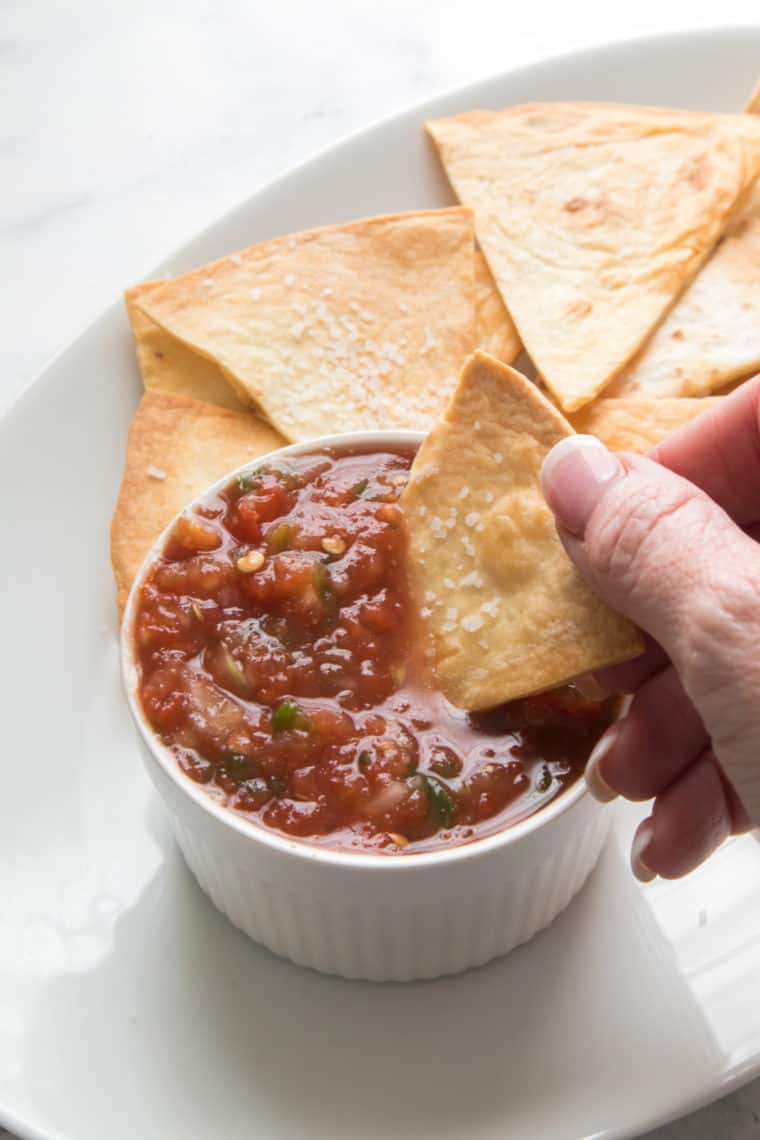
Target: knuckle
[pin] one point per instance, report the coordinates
(640, 527)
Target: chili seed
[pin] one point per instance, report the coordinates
(250, 562)
(333, 544)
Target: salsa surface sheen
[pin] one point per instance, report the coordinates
(283, 662)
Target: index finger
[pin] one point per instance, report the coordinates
(719, 452)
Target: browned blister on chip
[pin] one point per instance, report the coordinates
(352, 327)
(508, 612)
(495, 331)
(169, 365)
(176, 447)
(594, 218)
(636, 424)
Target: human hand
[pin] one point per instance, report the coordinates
(669, 541)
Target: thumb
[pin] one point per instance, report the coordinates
(667, 556)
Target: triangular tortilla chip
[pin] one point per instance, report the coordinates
(495, 332)
(168, 365)
(175, 449)
(360, 326)
(593, 218)
(508, 612)
(712, 334)
(637, 424)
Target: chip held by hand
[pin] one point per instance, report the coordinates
(508, 613)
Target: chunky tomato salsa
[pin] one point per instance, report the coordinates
(282, 662)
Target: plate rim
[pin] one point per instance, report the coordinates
(18, 394)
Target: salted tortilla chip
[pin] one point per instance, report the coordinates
(593, 218)
(637, 424)
(175, 449)
(508, 612)
(712, 334)
(495, 332)
(351, 327)
(169, 365)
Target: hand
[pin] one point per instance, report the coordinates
(669, 540)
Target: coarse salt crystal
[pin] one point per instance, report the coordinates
(155, 472)
(426, 611)
(472, 622)
(489, 496)
(477, 425)
(452, 613)
(491, 608)
(468, 546)
(472, 579)
(428, 343)
(464, 493)
(448, 583)
(236, 258)
(471, 518)
(498, 457)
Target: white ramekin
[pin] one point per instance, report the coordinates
(375, 917)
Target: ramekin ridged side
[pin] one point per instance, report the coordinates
(387, 918)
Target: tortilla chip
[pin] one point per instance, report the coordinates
(712, 335)
(593, 218)
(753, 103)
(495, 332)
(168, 365)
(175, 449)
(351, 327)
(637, 424)
(734, 385)
(508, 612)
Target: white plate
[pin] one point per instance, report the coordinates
(129, 1008)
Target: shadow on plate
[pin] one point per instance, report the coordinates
(211, 1035)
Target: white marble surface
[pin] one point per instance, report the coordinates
(124, 128)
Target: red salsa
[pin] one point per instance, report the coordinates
(282, 662)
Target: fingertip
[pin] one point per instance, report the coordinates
(595, 781)
(642, 841)
(574, 475)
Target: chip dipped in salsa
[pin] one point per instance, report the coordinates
(283, 662)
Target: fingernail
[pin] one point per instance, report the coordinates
(641, 841)
(574, 476)
(589, 687)
(595, 782)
